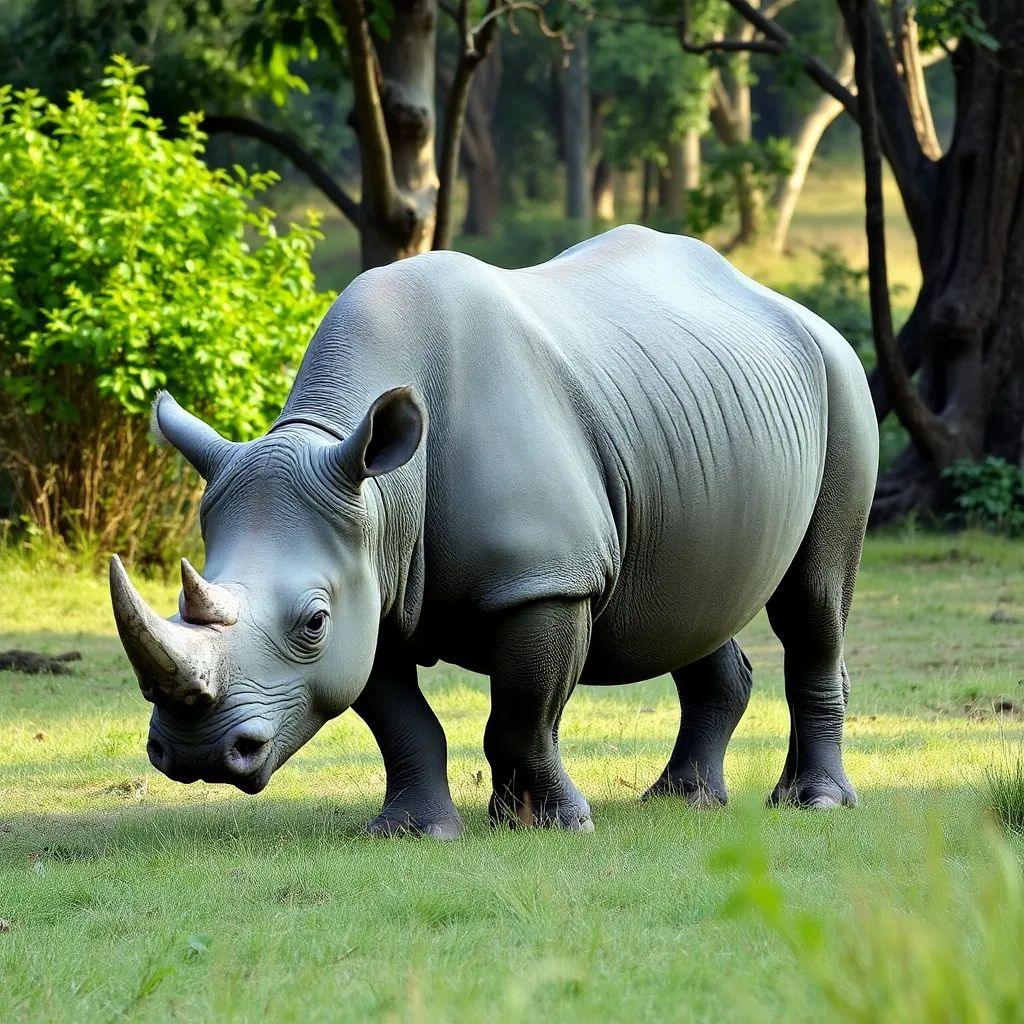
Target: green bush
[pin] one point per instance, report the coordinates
(987, 494)
(128, 265)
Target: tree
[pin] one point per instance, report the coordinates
(650, 106)
(576, 114)
(244, 48)
(964, 339)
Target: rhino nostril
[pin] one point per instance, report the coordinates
(247, 748)
(156, 752)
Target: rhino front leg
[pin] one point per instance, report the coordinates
(417, 800)
(713, 694)
(538, 654)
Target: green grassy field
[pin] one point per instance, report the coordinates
(124, 895)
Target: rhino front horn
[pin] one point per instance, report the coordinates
(173, 661)
(205, 604)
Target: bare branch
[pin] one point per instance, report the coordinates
(915, 174)
(537, 9)
(373, 133)
(911, 68)
(734, 46)
(939, 53)
(301, 158)
(776, 8)
(475, 45)
(814, 68)
(932, 437)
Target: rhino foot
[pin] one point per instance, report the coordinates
(696, 790)
(395, 821)
(568, 810)
(814, 790)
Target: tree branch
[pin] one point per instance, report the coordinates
(373, 133)
(476, 43)
(915, 173)
(814, 68)
(302, 159)
(780, 5)
(911, 68)
(932, 437)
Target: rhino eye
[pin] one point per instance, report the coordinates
(316, 625)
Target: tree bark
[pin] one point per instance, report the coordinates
(968, 322)
(805, 144)
(647, 183)
(576, 120)
(478, 151)
(394, 117)
(731, 119)
(604, 191)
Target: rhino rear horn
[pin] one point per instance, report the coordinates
(173, 661)
(205, 604)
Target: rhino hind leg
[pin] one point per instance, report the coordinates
(417, 800)
(713, 694)
(808, 613)
(538, 654)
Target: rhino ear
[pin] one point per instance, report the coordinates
(201, 445)
(386, 438)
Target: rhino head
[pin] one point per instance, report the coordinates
(279, 633)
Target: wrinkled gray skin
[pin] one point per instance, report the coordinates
(603, 468)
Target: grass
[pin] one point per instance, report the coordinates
(123, 894)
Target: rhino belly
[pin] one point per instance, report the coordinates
(700, 564)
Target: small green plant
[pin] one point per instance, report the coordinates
(128, 265)
(1006, 794)
(987, 494)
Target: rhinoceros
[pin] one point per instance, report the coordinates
(596, 471)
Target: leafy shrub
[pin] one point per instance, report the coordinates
(128, 265)
(987, 494)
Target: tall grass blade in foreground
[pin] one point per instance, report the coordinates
(952, 951)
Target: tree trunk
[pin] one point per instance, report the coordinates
(805, 143)
(604, 191)
(647, 183)
(691, 160)
(407, 101)
(968, 323)
(676, 177)
(478, 153)
(664, 189)
(576, 120)
(482, 177)
(732, 121)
